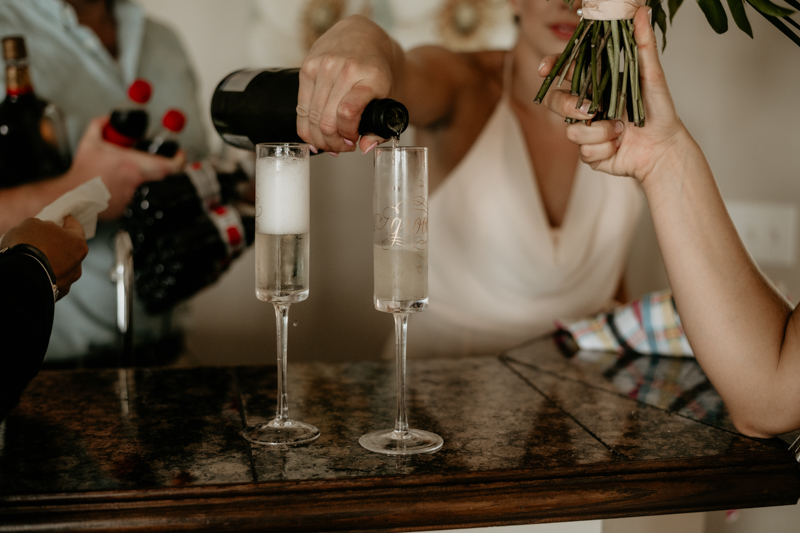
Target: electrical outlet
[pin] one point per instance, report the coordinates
(767, 230)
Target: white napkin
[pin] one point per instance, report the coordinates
(84, 203)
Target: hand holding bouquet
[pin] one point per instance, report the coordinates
(605, 54)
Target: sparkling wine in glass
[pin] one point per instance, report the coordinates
(282, 251)
(400, 255)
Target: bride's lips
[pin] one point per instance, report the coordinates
(564, 30)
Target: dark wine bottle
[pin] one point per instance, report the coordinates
(29, 147)
(258, 105)
(165, 142)
(128, 123)
(187, 259)
(158, 206)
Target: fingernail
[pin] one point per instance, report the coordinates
(371, 146)
(650, 14)
(541, 65)
(348, 142)
(334, 154)
(313, 149)
(618, 127)
(585, 107)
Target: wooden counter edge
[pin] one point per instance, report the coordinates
(389, 504)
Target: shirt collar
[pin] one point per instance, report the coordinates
(57, 10)
(130, 32)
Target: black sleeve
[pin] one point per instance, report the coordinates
(26, 320)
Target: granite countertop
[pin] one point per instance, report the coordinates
(538, 433)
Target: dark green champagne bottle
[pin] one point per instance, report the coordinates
(186, 259)
(258, 105)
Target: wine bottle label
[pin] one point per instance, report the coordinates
(239, 141)
(238, 81)
(204, 178)
(230, 228)
(18, 81)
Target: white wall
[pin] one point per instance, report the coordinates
(736, 95)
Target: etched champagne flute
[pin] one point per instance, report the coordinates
(282, 253)
(400, 259)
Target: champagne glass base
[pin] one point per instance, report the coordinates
(393, 442)
(279, 432)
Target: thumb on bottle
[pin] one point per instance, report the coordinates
(155, 167)
(368, 142)
(176, 163)
(95, 126)
(348, 114)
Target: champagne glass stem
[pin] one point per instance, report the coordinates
(401, 332)
(400, 258)
(282, 327)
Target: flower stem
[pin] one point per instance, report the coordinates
(599, 75)
(613, 55)
(632, 72)
(559, 64)
(577, 47)
(595, 81)
(578, 72)
(606, 70)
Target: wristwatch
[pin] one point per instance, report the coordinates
(32, 251)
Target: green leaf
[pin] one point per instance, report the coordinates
(673, 8)
(783, 29)
(768, 8)
(660, 18)
(739, 16)
(715, 14)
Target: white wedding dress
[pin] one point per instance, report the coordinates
(499, 274)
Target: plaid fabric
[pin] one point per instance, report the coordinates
(675, 384)
(649, 325)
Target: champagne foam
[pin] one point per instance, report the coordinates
(282, 195)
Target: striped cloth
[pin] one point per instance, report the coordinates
(649, 325)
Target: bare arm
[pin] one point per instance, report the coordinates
(741, 329)
(356, 62)
(121, 169)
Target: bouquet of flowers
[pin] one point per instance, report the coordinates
(606, 58)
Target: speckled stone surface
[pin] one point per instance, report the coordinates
(533, 409)
(124, 429)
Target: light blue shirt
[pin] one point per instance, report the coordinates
(70, 67)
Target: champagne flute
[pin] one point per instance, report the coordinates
(282, 250)
(400, 255)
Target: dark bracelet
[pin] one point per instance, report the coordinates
(32, 251)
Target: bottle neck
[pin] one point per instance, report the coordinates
(18, 80)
